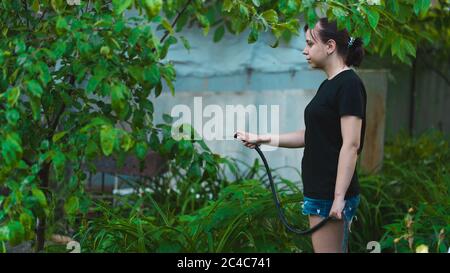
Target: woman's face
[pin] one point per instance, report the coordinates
(315, 51)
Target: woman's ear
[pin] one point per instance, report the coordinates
(331, 46)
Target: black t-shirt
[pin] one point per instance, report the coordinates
(344, 94)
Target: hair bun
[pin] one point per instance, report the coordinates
(355, 54)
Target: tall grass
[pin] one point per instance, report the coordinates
(241, 217)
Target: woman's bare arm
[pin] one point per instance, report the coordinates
(286, 140)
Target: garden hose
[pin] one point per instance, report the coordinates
(278, 205)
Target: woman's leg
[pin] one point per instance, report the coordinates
(328, 238)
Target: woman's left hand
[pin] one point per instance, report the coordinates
(337, 208)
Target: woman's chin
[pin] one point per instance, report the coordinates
(312, 65)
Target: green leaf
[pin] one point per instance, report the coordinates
(170, 85)
(270, 16)
(243, 11)
(167, 26)
(257, 3)
(92, 149)
(97, 121)
(141, 150)
(168, 71)
(409, 47)
(35, 88)
(100, 74)
(373, 17)
(16, 232)
(421, 6)
(61, 25)
(183, 19)
(120, 6)
(58, 136)
(312, 17)
(85, 203)
(152, 75)
(152, 7)
(204, 22)
(156, 44)
(36, 107)
(59, 160)
(158, 89)
(105, 50)
(35, 6)
(194, 170)
(119, 95)
(227, 5)
(127, 142)
(4, 233)
(57, 5)
(119, 26)
(107, 139)
(254, 34)
(167, 43)
(26, 220)
(339, 12)
(12, 116)
(2, 57)
(397, 49)
(85, 49)
(147, 105)
(393, 6)
(218, 34)
(11, 148)
(58, 49)
(277, 32)
(72, 205)
(185, 43)
(136, 72)
(366, 37)
(167, 146)
(134, 36)
(167, 118)
(154, 141)
(44, 73)
(20, 46)
(40, 197)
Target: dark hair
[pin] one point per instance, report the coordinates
(352, 55)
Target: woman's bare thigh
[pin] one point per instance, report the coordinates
(328, 239)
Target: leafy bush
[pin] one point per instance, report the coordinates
(242, 219)
(415, 177)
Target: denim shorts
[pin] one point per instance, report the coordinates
(322, 207)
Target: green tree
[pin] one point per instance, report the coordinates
(73, 71)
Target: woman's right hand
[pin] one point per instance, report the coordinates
(251, 140)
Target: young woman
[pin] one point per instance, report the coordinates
(333, 136)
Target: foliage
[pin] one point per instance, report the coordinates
(241, 219)
(415, 179)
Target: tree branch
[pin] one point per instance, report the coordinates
(55, 122)
(175, 21)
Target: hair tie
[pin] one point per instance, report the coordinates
(350, 43)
